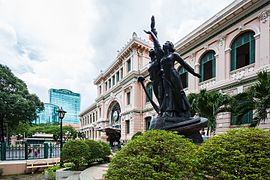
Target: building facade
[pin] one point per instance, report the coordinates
(228, 50)
(48, 115)
(69, 101)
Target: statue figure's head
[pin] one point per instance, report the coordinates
(152, 54)
(168, 45)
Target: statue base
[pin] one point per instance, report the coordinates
(189, 127)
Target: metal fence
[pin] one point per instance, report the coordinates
(29, 151)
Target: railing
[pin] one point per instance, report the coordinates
(29, 151)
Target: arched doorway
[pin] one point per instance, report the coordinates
(113, 131)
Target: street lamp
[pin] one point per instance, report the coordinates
(61, 114)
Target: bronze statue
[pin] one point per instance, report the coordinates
(173, 102)
(174, 108)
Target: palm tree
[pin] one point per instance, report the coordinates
(238, 105)
(257, 98)
(207, 104)
(260, 92)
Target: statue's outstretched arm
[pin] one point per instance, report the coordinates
(153, 28)
(157, 46)
(155, 39)
(185, 65)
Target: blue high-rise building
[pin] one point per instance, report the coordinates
(48, 115)
(69, 101)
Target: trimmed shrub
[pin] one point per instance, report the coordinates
(93, 152)
(157, 154)
(75, 151)
(105, 151)
(237, 154)
(51, 172)
(136, 135)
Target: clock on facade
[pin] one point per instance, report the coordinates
(115, 116)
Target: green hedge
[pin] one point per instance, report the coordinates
(105, 151)
(83, 153)
(237, 154)
(75, 151)
(94, 151)
(155, 155)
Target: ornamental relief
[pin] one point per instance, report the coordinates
(264, 15)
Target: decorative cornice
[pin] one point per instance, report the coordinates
(87, 110)
(228, 17)
(124, 53)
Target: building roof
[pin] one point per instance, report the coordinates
(224, 19)
(88, 109)
(135, 41)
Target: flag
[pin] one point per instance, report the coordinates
(150, 38)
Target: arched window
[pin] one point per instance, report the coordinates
(243, 50)
(149, 89)
(183, 76)
(115, 116)
(208, 66)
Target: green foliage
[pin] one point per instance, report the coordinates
(22, 128)
(207, 104)
(75, 151)
(136, 135)
(94, 150)
(105, 150)
(16, 103)
(237, 154)
(260, 92)
(257, 98)
(29, 129)
(85, 152)
(239, 105)
(51, 172)
(156, 154)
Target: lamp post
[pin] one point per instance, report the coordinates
(61, 114)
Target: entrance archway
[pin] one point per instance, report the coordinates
(113, 132)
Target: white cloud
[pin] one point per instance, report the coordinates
(65, 43)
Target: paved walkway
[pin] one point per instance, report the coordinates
(94, 172)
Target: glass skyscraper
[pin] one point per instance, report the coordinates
(48, 115)
(69, 101)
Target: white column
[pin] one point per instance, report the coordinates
(227, 63)
(220, 61)
(264, 38)
(196, 80)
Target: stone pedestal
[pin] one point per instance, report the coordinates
(189, 127)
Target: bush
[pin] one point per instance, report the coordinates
(237, 154)
(51, 172)
(155, 155)
(136, 135)
(75, 151)
(105, 151)
(93, 152)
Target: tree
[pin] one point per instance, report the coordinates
(257, 98)
(29, 129)
(16, 103)
(207, 104)
(238, 105)
(260, 92)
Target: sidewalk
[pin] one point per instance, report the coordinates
(94, 172)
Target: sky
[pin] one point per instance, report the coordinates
(64, 44)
